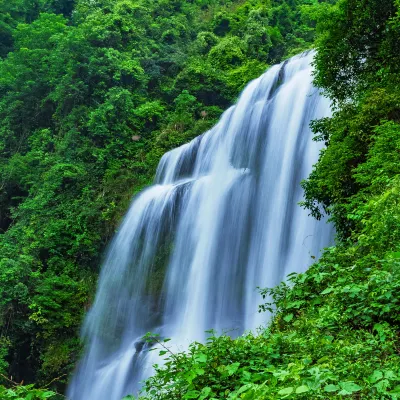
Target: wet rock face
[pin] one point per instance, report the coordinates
(139, 345)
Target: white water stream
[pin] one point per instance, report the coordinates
(220, 220)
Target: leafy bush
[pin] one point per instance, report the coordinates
(26, 393)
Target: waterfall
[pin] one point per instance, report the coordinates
(221, 219)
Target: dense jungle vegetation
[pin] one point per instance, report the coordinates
(92, 93)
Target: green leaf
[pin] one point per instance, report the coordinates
(232, 368)
(193, 394)
(199, 371)
(246, 376)
(349, 388)
(286, 392)
(205, 393)
(48, 394)
(376, 376)
(189, 376)
(302, 389)
(391, 375)
(382, 385)
(201, 357)
(288, 317)
(331, 388)
(396, 390)
(244, 388)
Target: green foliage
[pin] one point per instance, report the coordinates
(358, 47)
(284, 362)
(26, 393)
(227, 53)
(361, 77)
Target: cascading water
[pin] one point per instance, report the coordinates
(220, 220)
